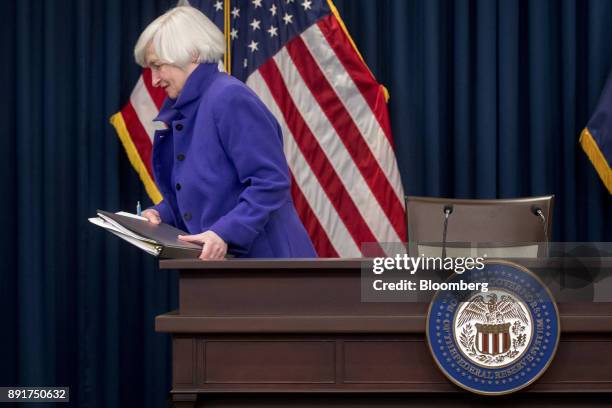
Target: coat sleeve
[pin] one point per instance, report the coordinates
(164, 212)
(252, 139)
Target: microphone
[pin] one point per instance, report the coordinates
(537, 211)
(448, 210)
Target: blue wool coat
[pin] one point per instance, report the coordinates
(220, 166)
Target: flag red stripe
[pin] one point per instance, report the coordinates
(316, 158)
(157, 94)
(358, 71)
(496, 339)
(317, 234)
(138, 134)
(348, 132)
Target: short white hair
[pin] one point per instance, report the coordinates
(180, 36)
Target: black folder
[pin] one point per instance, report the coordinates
(160, 240)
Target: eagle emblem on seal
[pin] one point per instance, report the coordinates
(493, 329)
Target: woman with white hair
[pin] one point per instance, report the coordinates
(219, 164)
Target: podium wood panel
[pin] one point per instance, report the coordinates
(285, 331)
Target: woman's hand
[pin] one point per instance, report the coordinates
(151, 215)
(214, 246)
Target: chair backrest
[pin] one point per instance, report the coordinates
(505, 221)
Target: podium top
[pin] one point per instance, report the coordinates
(349, 263)
(264, 263)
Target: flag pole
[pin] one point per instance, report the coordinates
(227, 58)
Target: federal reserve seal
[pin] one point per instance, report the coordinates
(494, 342)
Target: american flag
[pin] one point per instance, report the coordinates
(300, 60)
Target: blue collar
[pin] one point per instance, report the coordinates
(194, 87)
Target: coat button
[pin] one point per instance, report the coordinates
(179, 126)
(180, 157)
(178, 186)
(187, 216)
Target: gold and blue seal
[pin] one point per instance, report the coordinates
(496, 341)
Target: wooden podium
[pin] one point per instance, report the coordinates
(276, 333)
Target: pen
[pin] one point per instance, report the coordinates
(138, 209)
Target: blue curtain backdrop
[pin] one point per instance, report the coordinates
(487, 100)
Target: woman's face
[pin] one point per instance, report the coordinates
(170, 77)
